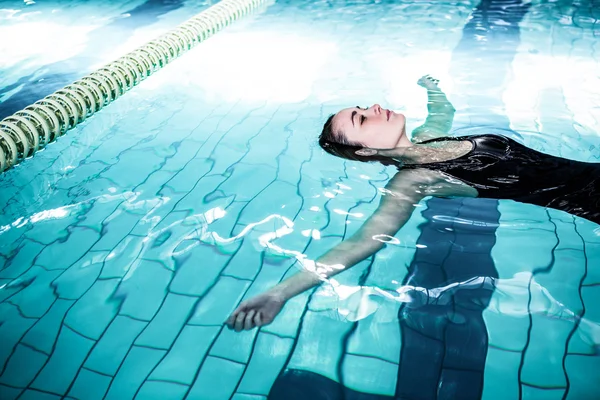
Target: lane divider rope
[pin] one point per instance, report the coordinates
(33, 128)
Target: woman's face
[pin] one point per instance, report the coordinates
(373, 127)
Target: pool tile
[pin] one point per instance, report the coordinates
(235, 346)
(37, 298)
(39, 395)
(325, 297)
(319, 346)
(162, 390)
(501, 378)
(336, 218)
(563, 280)
(144, 290)
(471, 243)
(269, 137)
(167, 323)
(245, 264)
(547, 347)
(163, 226)
(287, 322)
(523, 216)
(133, 372)
(12, 328)
(181, 181)
(580, 342)
(535, 393)
(61, 255)
(197, 195)
(370, 375)
(112, 348)
(76, 280)
(278, 197)
(70, 352)
(584, 376)
(505, 332)
(47, 232)
(268, 360)
(199, 271)
(592, 254)
(9, 393)
(84, 171)
(227, 158)
(373, 339)
(261, 176)
(138, 163)
(566, 231)
(243, 396)
(89, 385)
(93, 312)
(224, 226)
(44, 333)
(220, 301)
(100, 211)
(533, 246)
(185, 155)
(122, 257)
(590, 296)
(588, 230)
(115, 228)
(149, 224)
(459, 383)
(217, 379)
(23, 260)
(186, 355)
(22, 366)
(391, 265)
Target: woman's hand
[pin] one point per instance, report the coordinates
(428, 82)
(256, 312)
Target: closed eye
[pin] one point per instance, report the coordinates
(362, 119)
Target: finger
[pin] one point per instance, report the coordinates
(248, 324)
(231, 320)
(258, 319)
(239, 322)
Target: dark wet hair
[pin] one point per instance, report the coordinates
(335, 143)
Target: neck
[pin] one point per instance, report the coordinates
(404, 140)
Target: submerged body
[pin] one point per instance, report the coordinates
(448, 331)
(431, 164)
(501, 168)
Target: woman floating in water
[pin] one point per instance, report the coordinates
(431, 164)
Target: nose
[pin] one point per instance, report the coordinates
(377, 108)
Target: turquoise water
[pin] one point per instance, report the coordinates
(125, 245)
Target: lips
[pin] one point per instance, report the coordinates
(389, 113)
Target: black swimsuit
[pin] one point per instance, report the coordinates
(501, 168)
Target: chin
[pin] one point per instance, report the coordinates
(401, 117)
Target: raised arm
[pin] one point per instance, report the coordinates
(441, 112)
(396, 206)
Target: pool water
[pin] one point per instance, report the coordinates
(125, 245)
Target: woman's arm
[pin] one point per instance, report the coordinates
(403, 192)
(441, 112)
(394, 210)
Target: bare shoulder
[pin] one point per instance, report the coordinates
(430, 183)
(415, 176)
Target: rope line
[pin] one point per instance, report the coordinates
(33, 128)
